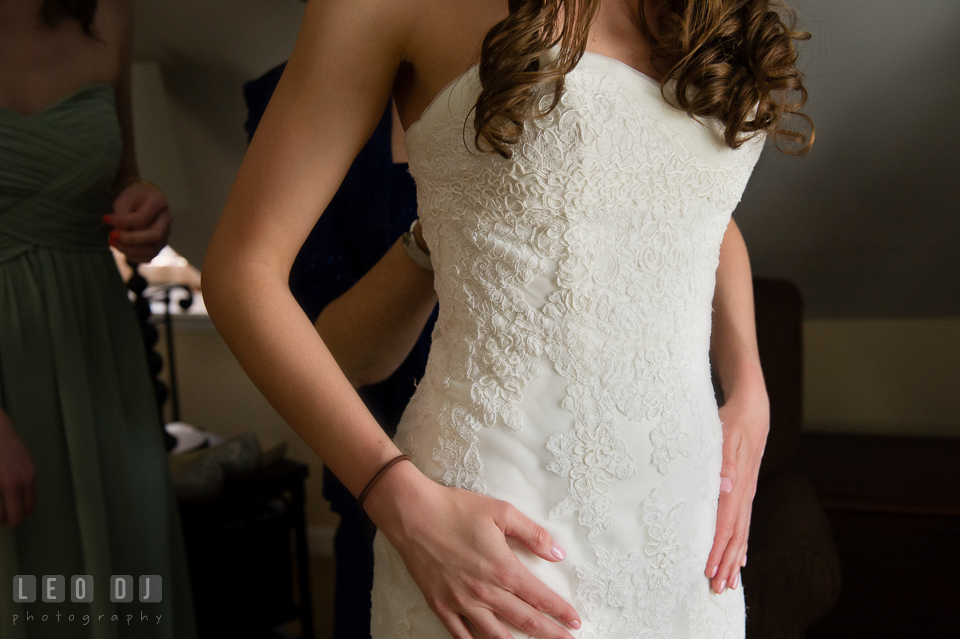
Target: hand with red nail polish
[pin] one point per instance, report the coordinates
(141, 221)
(18, 477)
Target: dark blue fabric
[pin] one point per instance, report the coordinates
(375, 204)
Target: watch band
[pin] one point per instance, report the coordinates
(417, 254)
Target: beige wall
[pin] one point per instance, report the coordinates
(883, 376)
(206, 52)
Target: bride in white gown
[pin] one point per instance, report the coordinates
(571, 474)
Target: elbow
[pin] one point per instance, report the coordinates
(229, 286)
(234, 276)
(214, 286)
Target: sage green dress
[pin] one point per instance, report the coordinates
(74, 381)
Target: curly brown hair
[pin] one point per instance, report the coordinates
(732, 60)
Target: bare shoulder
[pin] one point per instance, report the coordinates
(413, 21)
(385, 22)
(443, 43)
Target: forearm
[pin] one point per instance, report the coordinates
(734, 350)
(327, 104)
(286, 359)
(372, 327)
(127, 172)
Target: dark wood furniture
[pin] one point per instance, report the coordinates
(792, 577)
(247, 552)
(894, 507)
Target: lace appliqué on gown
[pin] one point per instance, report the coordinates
(569, 371)
(394, 593)
(636, 596)
(631, 224)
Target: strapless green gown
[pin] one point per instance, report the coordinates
(74, 381)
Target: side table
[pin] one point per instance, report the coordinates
(247, 553)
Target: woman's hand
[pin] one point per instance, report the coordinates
(18, 488)
(141, 221)
(746, 422)
(454, 544)
(746, 412)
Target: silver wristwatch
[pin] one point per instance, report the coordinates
(417, 254)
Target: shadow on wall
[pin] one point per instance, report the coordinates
(866, 222)
(207, 50)
(209, 113)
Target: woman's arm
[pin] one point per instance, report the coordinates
(127, 172)
(372, 327)
(141, 218)
(328, 102)
(746, 410)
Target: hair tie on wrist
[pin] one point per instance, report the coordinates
(380, 473)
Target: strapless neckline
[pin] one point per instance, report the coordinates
(59, 102)
(617, 69)
(57, 168)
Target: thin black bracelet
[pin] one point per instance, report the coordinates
(380, 473)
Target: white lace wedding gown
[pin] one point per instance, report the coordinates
(569, 372)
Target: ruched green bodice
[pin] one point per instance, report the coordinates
(57, 168)
(74, 382)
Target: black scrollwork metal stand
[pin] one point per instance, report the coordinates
(163, 294)
(142, 298)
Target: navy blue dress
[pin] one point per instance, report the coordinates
(376, 203)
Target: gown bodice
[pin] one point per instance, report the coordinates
(57, 169)
(569, 372)
(595, 245)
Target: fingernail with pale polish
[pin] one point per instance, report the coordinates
(726, 485)
(715, 569)
(558, 552)
(723, 586)
(574, 624)
(735, 581)
(744, 563)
